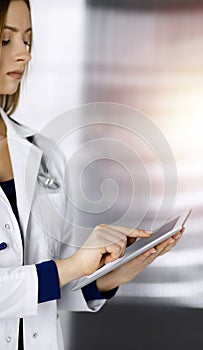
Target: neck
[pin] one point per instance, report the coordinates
(2, 129)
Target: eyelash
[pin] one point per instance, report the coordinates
(6, 42)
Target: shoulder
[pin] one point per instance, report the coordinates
(52, 154)
(53, 157)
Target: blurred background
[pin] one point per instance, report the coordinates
(146, 54)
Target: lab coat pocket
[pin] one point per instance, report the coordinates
(3, 247)
(10, 249)
(10, 237)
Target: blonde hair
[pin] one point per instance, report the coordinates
(8, 102)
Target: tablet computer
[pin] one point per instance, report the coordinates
(141, 245)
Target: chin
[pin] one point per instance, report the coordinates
(11, 90)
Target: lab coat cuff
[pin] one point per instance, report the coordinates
(31, 290)
(75, 301)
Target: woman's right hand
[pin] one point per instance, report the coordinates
(105, 244)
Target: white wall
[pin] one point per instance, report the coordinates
(53, 82)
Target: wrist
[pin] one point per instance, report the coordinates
(106, 283)
(111, 281)
(68, 270)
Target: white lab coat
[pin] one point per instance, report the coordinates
(41, 214)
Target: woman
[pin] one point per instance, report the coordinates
(33, 265)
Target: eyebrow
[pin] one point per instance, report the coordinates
(16, 30)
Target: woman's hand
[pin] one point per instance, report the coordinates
(105, 244)
(131, 269)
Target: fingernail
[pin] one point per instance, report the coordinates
(148, 232)
(153, 250)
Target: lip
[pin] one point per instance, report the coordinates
(17, 74)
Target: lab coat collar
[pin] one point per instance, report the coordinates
(13, 127)
(26, 159)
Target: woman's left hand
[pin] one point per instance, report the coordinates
(131, 269)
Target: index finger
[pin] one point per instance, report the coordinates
(133, 232)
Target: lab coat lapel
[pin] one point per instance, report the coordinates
(26, 159)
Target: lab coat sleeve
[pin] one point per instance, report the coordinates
(75, 301)
(19, 291)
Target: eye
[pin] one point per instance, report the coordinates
(27, 43)
(5, 42)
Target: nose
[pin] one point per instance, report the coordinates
(22, 53)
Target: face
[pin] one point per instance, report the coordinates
(15, 54)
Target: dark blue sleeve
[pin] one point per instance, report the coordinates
(49, 286)
(48, 281)
(91, 292)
